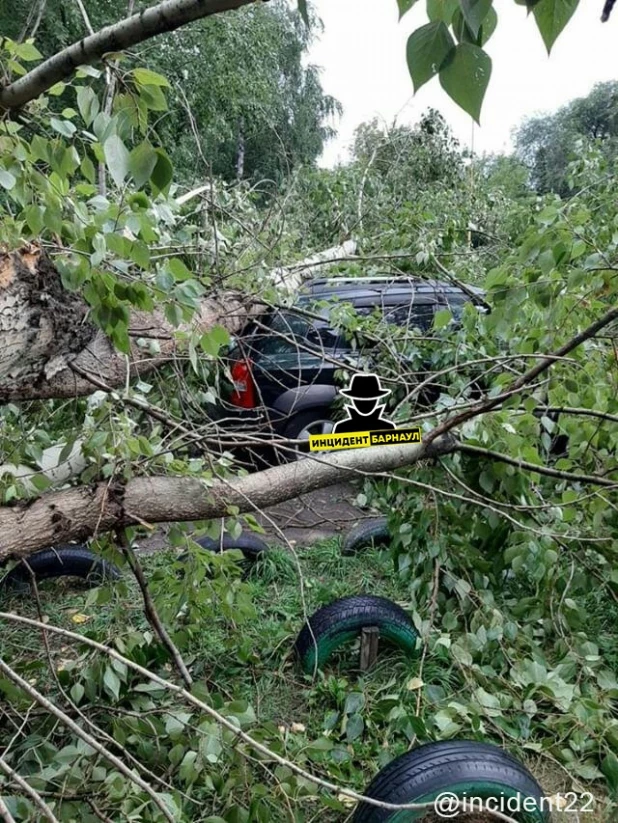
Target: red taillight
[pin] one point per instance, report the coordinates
(244, 387)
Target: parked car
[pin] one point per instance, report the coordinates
(283, 366)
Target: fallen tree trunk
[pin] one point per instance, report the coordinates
(48, 347)
(85, 511)
(44, 330)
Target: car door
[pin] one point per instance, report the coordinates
(294, 350)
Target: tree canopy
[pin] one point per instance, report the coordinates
(239, 81)
(548, 143)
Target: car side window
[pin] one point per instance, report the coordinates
(455, 305)
(411, 316)
(291, 334)
(284, 330)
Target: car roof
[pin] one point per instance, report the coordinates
(388, 289)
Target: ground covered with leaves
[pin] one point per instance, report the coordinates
(344, 725)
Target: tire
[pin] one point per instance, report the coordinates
(342, 620)
(250, 545)
(421, 775)
(64, 561)
(315, 421)
(366, 535)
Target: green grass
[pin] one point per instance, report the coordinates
(249, 655)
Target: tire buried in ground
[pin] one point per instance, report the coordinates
(64, 561)
(250, 545)
(448, 769)
(368, 533)
(342, 620)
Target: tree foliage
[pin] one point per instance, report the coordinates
(451, 45)
(238, 81)
(548, 143)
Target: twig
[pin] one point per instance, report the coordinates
(546, 470)
(152, 614)
(190, 698)
(27, 788)
(79, 732)
(5, 813)
(612, 418)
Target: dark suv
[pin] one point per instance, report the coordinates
(284, 365)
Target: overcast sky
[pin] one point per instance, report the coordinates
(362, 53)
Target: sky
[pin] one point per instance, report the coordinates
(362, 56)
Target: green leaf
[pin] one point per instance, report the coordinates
(140, 254)
(27, 52)
(354, 702)
(146, 77)
(209, 343)
(442, 10)
(221, 337)
(187, 772)
(475, 12)
(461, 30)
(304, 11)
(7, 180)
(53, 219)
(88, 170)
(153, 97)
(34, 219)
(551, 17)
(116, 158)
(442, 318)
(489, 26)
(63, 127)
(142, 162)
(178, 269)
(322, 744)
(465, 78)
(428, 48)
(87, 103)
(87, 71)
(111, 682)
(162, 173)
(354, 727)
(404, 6)
(609, 767)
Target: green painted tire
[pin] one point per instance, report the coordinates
(338, 622)
(480, 770)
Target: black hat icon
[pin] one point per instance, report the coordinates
(365, 387)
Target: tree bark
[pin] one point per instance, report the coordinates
(85, 511)
(48, 347)
(164, 17)
(44, 329)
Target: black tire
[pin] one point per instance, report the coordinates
(298, 424)
(342, 620)
(64, 561)
(481, 770)
(366, 535)
(249, 544)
